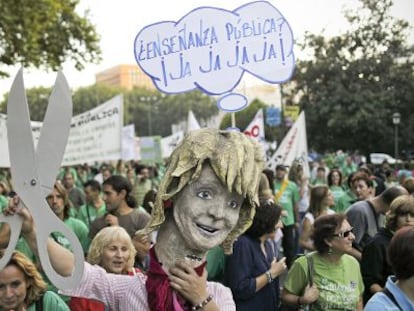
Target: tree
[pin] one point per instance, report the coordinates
(37, 99)
(89, 97)
(353, 83)
(46, 33)
(154, 112)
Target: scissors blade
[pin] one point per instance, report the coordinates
(19, 137)
(54, 134)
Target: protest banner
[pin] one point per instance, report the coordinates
(95, 135)
(128, 143)
(294, 146)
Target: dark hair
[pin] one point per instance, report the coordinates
(324, 228)
(330, 176)
(349, 180)
(321, 169)
(270, 176)
(264, 221)
(401, 253)
(120, 183)
(94, 184)
(149, 200)
(363, 176)
(391, 193)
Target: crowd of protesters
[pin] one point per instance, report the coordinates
(329, 229)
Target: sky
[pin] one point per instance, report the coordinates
(118, 22)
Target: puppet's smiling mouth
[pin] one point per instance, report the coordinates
(207, 229)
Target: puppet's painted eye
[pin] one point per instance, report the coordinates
(233, 204)
(204, 195)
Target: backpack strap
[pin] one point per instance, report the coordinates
(309, 260)
(311, 270)
(391, 297)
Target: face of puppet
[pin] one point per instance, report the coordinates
(205, 211)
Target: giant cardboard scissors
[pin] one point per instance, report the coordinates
(34, 172)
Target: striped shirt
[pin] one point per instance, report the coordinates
(123, 293)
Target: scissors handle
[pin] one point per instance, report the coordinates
(45, 215)
(15, 223)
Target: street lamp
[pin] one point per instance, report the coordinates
(150, 100)
(396, 118)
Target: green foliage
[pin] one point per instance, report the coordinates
(154, 113)
(353, 83)
(89, 97)
(37, 99)
(46, 33)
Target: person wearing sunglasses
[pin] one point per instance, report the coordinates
(336, 278)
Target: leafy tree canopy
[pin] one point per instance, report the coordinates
(353, 83)
(45, 33)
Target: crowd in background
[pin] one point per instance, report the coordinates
(342, 215)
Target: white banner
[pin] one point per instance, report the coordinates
(169, 143)
(256, 128)
(4, 145)
(129, 150)
(294, 146)
(94, 135)
(192, 123)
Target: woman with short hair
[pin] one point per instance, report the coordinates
(337, 281)
(112, 249)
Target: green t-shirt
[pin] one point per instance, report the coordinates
(340, 285)
(87, 213)
(4, 202)
(216, 261)
(80, 230)
(345, 201)
(337, 192)
(287, 200)
(51, 301)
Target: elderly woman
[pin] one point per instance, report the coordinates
(112, 249)
(207, 197)
(398, 292)
(22, 287)
(337, 281)
(252, 270)
(375, 266)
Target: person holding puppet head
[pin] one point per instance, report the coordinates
(207, 198)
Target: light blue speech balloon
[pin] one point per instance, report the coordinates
(211, 48)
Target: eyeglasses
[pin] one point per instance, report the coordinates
(344, 234)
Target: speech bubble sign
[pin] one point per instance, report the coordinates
(210, 49)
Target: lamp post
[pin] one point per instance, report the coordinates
(396, 118)
(150, 100)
